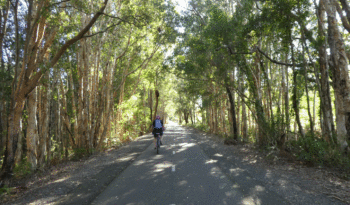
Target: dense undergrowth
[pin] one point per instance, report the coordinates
(311, 150)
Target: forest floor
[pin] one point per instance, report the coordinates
(83, 180)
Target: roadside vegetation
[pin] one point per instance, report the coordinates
(79, 77)
(268, 73)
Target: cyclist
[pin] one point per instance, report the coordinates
(157, 128)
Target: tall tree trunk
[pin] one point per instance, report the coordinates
(296, 96)
(340, 77)
(44, 121)
(76, 133)
(86, 97)
(150, 104)
(244, 123)
(286, 96)
(233, 113)
(32, 130)
(306, 85)
(326, 118)
(19, 150)
(156, 106)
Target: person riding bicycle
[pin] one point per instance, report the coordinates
(157, 128)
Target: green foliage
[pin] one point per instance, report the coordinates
(22, 169)
(200, 126)
(5, 189)
(312, 149)
(315, 150)
(80, 153)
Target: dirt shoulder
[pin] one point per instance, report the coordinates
(300, 184)
(77, 182)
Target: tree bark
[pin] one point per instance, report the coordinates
(35, 54)
(306, 85)
(233, 113)
(324, 87)
(296, 96)
(44, 121)
(32, 131)
(340, 77)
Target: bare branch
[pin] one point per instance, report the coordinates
(64, 1)
(346, 8)
(111, 26)
(123, 19)
(281, 63)
(342, 17)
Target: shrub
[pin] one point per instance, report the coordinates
(22, 169)
(316, 150)
(5, 189)
(79, 153)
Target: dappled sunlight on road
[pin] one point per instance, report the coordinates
(218, 155)
(61, 180)
(184, 146)
(162, 166)
(184, 174)
(210, 161)
(268, 174)
(182, 183)
(251, 201)
(236, 171)
(259, 188)
(130, 156)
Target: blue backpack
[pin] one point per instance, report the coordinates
(158, 124)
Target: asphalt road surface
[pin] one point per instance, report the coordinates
(181, 174)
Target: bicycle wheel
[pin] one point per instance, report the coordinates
(158, 144)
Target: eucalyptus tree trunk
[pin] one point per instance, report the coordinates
(75, 124)
(191, 114)
(214, 112)
(295, 97)
(79, 137)
(57, 128)
(255, 85)
(4, 12)
(150, 104)
(108, 96)
(86, 96)
(306, 85)
(237, 112)
(18, 154)
(44, 119)
(156, 106)
(19, 150)
(285, 85)
(325, 97)
(32, 130)
(96, 111)
(269, 105)
(340, 74)
(222, 116)
(203, 112)
(233, 113)
(65, 116)
(39, 38)
(244, 123)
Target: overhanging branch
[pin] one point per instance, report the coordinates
(111, 26)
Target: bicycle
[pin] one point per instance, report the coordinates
(158, 142)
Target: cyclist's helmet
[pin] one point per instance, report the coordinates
(158, 117)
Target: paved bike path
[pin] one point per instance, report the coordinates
(180, 174)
